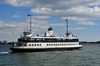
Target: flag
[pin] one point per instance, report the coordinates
(28, 15)
(66, 19)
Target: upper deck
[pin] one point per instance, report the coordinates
(38, 37)
(47, 37)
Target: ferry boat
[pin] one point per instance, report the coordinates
(45, 42)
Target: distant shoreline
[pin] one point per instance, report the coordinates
(8, 42)
(90, 42)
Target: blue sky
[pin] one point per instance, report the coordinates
(83, 17)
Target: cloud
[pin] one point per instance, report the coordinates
(12, 2)
(18, 12)
(42, 11)
(78, 13)
(77, 28)
(41, 22)
(72, 9)
(16, 16)
(55, 20)
(19, 27)
(1, 21)
(54, 4)
(87, 23)
(76, 18)
(58, 24)
(9, 27)
(42, 17)
(46, 24)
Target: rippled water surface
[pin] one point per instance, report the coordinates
(88, 55)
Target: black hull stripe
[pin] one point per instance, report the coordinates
(43, 49)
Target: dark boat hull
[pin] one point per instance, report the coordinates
(43, 49)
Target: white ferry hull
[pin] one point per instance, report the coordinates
(46, 47)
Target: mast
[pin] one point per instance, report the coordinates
(66, 27)
(30, 22)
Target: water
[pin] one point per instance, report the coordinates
(88, 55)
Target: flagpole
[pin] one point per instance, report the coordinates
(30, 23)
(67, 28)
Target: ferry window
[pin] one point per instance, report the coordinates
(29, 44)
(35, 44)
(47, 44)
(32, 44)
(40, 44)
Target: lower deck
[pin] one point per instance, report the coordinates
(44, 46)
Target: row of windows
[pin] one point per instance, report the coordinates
(46, 44)
(52, 44)
(60, 44)
(34, 44)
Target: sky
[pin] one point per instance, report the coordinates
(83, 18)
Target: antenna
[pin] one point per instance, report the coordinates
(30, 22)
(59, 33)
(66, 27)
(27, 29)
